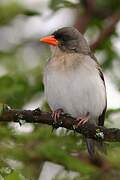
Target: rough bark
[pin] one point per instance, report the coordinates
(37, 116)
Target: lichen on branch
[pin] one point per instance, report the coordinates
(37, 116)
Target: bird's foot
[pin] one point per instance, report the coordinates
(82, 120)
(56, 115)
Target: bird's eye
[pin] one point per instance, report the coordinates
(62, 37)
(57, 36)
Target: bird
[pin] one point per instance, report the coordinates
(74, 81)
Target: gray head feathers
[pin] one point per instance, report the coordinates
(71, 40)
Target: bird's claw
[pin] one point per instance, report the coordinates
(82, 120)
(56, 115)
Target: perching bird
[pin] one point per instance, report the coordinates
(74, 81)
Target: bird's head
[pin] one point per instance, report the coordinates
(68, 39)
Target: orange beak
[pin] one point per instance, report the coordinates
(50, 40)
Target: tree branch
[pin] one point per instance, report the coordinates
(109, 25)
(84, 18)
(37, 116)
(109, 21)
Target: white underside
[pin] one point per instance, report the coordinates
(76, 90)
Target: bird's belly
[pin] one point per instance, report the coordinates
(76, 93)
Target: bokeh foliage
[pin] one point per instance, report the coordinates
(20, 82)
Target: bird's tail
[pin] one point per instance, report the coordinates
(94, 147)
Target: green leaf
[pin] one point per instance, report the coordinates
(14, 176)
(55, 4)
(64, 158)
(1, 108)
(30, 13)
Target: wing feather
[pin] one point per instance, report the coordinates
(102, 116)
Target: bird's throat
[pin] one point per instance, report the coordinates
(62, 61)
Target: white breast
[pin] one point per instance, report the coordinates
(76, 90)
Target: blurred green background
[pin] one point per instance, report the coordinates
(24, 149)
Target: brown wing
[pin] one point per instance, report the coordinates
(102, 116)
